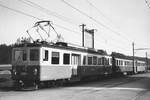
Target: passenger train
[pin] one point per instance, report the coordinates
(41, 62)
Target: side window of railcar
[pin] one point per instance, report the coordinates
(117, 62)
(55, 58)
(84, 60)
(94, 60)
(45, 55)
(66, 58)
(89, 60)
(108, 61)
(103, 61)
(99, 61)
(34, 54)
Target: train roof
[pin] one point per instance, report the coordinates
(62, 45)
(122, 56)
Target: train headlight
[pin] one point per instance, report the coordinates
(14, 72)
(35, 71)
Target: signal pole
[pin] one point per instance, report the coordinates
(133, 55)
(83, 27)
(93, 38)
(146, 62)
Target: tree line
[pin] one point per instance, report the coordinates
(5, 53)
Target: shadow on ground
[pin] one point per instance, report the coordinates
(6, 83)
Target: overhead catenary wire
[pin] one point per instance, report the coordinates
(18, 11)
(29, 15)
(48, 11)
(36, 17)
(100, 12)
(148, 3)
(93, 19)
(85, 14)
(66, 28)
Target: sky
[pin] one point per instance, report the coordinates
(118, 23)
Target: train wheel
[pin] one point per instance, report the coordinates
(18, 85)
(36, 85)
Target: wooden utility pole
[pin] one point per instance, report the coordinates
(83, 27)
(133, 55)
(146, 62)
(92, 38)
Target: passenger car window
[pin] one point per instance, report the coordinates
(55, 58)
(84, 60)
(94, 60)
(45, 55)
(99, 61)
(66, 58)
(89, 60)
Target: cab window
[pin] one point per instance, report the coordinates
(24, 57)
(20, 55)
(34, 54)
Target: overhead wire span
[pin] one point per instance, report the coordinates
(29, 15)
(66, 28)
(47, 11)
(100, 12)
(96, 21)
(20, 12)
(148, 3)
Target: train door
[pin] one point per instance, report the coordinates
(75, 61)
(135, 66)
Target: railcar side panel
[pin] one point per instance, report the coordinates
(85, 71)
(55, 72)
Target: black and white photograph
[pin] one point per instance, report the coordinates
(74, 49)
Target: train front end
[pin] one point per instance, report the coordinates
(25, 66)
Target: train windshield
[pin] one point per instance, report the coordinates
(20, 55)
(34, 55)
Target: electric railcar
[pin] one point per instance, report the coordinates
(36, 63)
(124, 65)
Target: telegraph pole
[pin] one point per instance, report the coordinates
(146, 62)
(83, 27)
(133, 55)
(93, 38)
